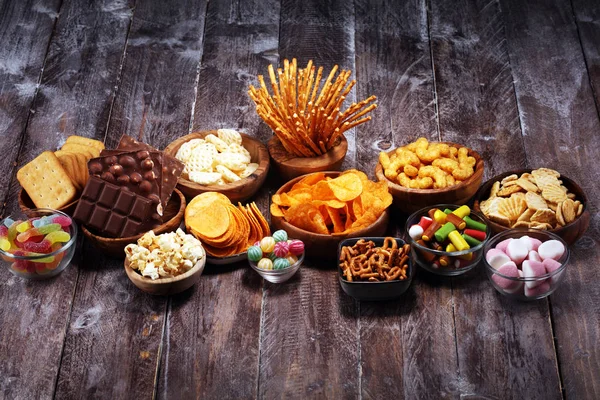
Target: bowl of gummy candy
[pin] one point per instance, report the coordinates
(446, 239)
(38, 247)
(526, 264)
(276, 258)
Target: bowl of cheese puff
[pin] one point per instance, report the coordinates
(424, 173)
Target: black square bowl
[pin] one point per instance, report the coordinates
(375, 291)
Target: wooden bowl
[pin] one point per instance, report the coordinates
(325, 246)
(290, 166)
(166, 286)
(115, 246)
(570, 233)
(411, 200)
(26, 205)
(236, 191)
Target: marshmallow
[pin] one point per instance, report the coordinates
(517, 250)
(518, 287)
(538, 290)
(551, 249)
(536, 243)
(533, 269)
(503, 244)
(415, 232)
(496, 258)
(551, 265)
(526, 240)
(510, 270)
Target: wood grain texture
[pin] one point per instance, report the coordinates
(560, 127)
(213, 332)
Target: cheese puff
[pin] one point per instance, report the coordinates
(463, 172)
(419, 143)
(428, 155)
(411, 171)
(444, 148)
(450, 180)
(407, 157)
(418, 183)
(384, 159)
(392, 171)
(453, 153)
(445, 164)
(464, 158)
(439, 176)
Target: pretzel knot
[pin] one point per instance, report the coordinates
(389, 243)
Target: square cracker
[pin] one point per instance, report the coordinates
(96, 144)
(80, 148)
(46, 182)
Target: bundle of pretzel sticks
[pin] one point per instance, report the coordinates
(308, 124)
(366, 262)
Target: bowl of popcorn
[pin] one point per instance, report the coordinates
(165, 264)
(276, 258)
(223, 161)
(536, 199)
(425, 173)
(526, 264)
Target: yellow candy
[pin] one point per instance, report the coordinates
(265, 263)
(457, 240)
(267, 244)
(292, 259)
(450, 249)
(440, 217)
(462, 211)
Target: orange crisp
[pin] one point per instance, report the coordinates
(333, 206)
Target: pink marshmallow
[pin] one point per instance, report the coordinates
(517, 251)
(536, 243)
(510, 270)
(533, 255)
(496, 258)
(503, 244)
(533, 269)
(518, 287)
(551, 249)
(526, 240)
(551, 266)
(538, 290)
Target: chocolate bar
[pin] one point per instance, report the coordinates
(114, 211)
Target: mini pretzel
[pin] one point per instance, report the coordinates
(389, 242)
(365, 261)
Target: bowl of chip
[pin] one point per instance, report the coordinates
(441, 189)
(233, 176)
(449, 250)
(383, 282)
(310, 211)
(39, 245)
(561, 209)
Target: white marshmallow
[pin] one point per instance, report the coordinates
(503, 244)
(517, 251)
(415, 232)
(551, 249)
(496, 258)
(533, 269)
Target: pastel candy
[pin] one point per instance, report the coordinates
(517, 286)
(536, 243)
(280, 236)
(517, 251)
(510, 270)
(415, 232)
(533, 269)
(292, 259)
(496, 258)
(503, 244)
(254, 253)
(533, 255)
(296, 247)
(526, 240)
(281, 263)
(271, 256)
(551, 249)
(265, 263)
(281, 249)
(8, 222)
(267, 244)
(61, 220)
(539, 290)
(551, 265)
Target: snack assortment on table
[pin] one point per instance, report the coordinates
(35, 237)
(308, 123)
(53, 179)
(333, 206)
(448, 231)
(364, 261)
(525, 257)
(216, 160)
(164, 256)
(128, 189)
(536, 200)
(425, 165)
(223, 228)
(275, 252)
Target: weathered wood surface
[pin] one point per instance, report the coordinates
(514, 81)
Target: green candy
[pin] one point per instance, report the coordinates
(280, 236)
(447, 211)
(271, 256)
(281, 263)
(442, 234)
(472, 224)
(471, 240)
(254, 253)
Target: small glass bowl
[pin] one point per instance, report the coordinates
(461, 261)
(278, 275)
(43, 266)
(545, 284)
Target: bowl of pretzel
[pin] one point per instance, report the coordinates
(374, 268)
(305, 113)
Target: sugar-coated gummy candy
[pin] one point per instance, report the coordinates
(57, 237)
(280, 236)
(292, 259)
(62, 220)
(265, 263)
(281, 249)
(42, 247)
(533, 269)
(254, 253)
(551, 265)
(551, 249)
(518, 285)
(533, 255)
(43, 230)
(539, 290)
(8, 222)
(24, 226)
(281, 263)
(526, 240)
(517, 250)
(536, 243)
(296, 247)
(496, 258)
(503, 244)
(415, 232)
(267, 244)
(509, 270)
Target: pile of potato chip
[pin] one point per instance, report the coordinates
(533, 200)
(216, 160)
(424, 165)
(223, 228)
(333, 206)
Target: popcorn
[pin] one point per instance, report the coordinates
(164, 256)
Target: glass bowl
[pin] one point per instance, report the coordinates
(278, 275)
(460, 261)
(526, 289)
(41, 266)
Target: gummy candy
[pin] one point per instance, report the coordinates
(8, 222)
(45, 245)
(4, 242)
(22, 237)
(23, 226)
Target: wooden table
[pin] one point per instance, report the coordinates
(516, 81)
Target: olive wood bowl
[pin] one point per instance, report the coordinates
(290, 166)
(236, 191)
(570, 233)
(325, 246)
(115, 247)
(411, 200)
(26, 205)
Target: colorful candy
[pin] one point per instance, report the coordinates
(4, 242)
(425, 222)
(265, 263)
(280, 236)
(281, 263)
(43, 230)
(472, 224)
(442, 234)
(458, 241)
(275, 252)
(267, 244)
(296, 247)
(281, 249)
(254, 253)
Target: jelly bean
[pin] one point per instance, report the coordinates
(281, 263)
(281, 249)
(267, 244)
(479, 235)
(471, 240)
(442, 234)
(8, 222)
(22, 237)
(462, 211)
(265, 263)
(296, 247)
(280, 236)
(458, 241)
(254, 253)
(472, 224)
(23, 226)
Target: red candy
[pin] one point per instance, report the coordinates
(296, 247)
(479, 235)
(425, 222)
(42, 247)
(61, 220)
(281, 249)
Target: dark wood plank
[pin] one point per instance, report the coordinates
(498, 341)
(309, 339)
(223, 312)
(416, 332)
(560, 126)
(112, 348)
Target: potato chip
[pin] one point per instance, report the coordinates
(307, 217)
